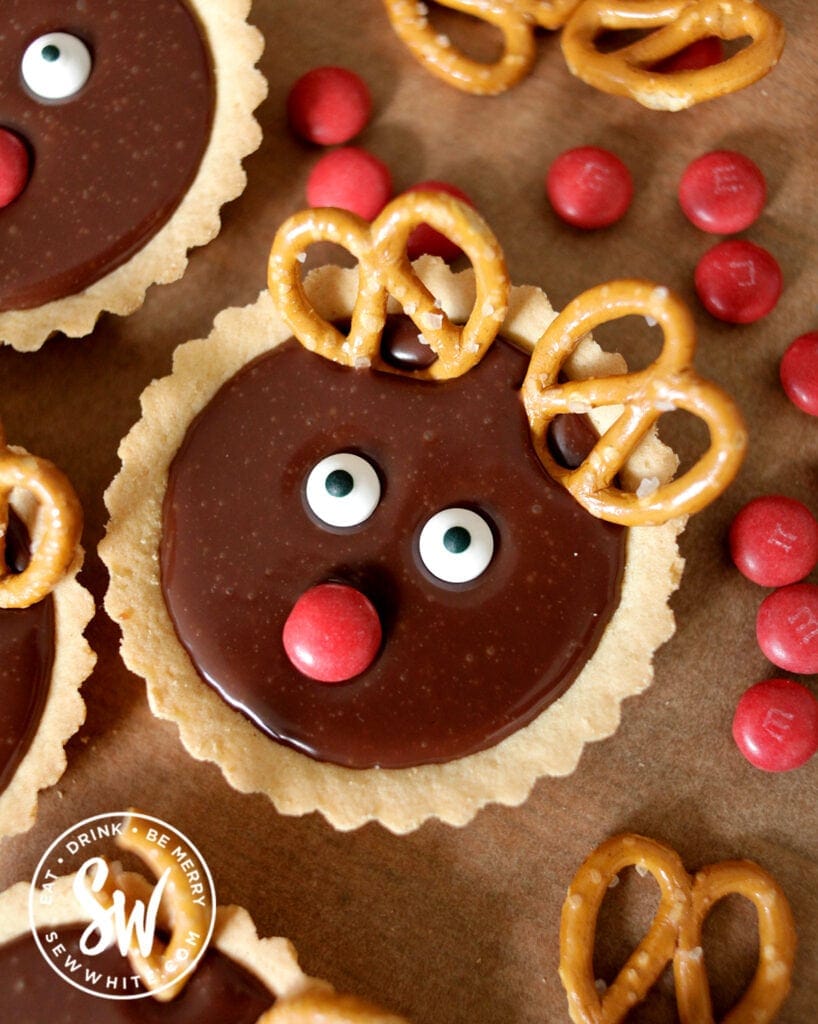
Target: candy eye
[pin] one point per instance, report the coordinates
(343, 489)
(456, 545)
(56, 66)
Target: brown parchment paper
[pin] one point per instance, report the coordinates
(445, 925)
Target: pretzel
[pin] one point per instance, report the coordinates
(516, 19)
(56, 531)
(666, 384)
(384, 269)
(675, 934)
(320, 1007)
(630, 70)
(190, 923)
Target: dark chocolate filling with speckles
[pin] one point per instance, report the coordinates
(219, 990)
(461, 666)
(112, 163)
(26, 659)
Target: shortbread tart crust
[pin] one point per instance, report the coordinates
(401, 799)
(64, 710)
(272, 960)
(240, 87)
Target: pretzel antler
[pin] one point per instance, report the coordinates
(631, 70)
(56, 530)
(668, 383)
(516, 19)
(383, 270)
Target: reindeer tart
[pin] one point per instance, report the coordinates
(228, 973)
(349, 563)
(122, 130)
(43, 612)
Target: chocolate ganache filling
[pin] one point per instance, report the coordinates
(26, 659)
(219, 990)
(461, 665)
(109, 162)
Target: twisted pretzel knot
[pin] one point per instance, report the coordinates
(668, 383)
(516, 19)
(675, 934)
(320, 1007)
(189, 922)
(678, 23)
(56, 530)
(383, 270)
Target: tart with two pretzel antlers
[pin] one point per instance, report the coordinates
(377, 559)
(44, 658)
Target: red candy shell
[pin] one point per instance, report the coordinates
(589, 187)
(787, 628)
(774, 540)
(350, 179)
(738, 281)
(14, 166)
(799, 373)
(722, 192)
(329, 105)
(425, 239)
(776, 725)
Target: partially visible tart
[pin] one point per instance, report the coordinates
(241, 977)
(212, 539)
(44, 660)
(135, 118)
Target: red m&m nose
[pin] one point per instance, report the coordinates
(332, 633)
(14, 166)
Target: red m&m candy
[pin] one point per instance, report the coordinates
(333, 633)
(776, 725)
(329, 105)
(424, 239)
(799, 372)
(787, 628)
(589, 187)
(774, 540)
(14, 166)
(702, 53)
(738, 281)
(722, 192)
(351, 179)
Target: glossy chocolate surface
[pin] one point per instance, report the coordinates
(219, 990)
(461, 666)
(26, 658)
(111, 163)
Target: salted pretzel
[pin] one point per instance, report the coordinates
(56, 529)
(674, 935)
(317, 1006)
(383, 270)
(516, 19)
(668, 383)
(190, 923)
(631, 69)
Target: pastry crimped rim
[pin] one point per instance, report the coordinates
(239, 87)
(64, 710)
(401, 799)
(273, 961)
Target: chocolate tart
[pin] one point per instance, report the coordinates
(135, 117)
(479, 688)
(239, 977)
(44, 659)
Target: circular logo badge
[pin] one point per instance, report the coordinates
(122, 934)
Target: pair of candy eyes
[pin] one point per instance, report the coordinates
(56, 66)
(456, 545)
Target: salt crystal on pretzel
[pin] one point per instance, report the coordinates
(668, 383)
(383, 270)
(56, 531)
(674, 935)
(516, 19)
(631, 69)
